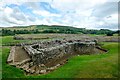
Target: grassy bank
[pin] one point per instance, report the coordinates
(85, 66)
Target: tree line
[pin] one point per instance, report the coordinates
(8, 32)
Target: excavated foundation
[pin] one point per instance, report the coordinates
(43, 57)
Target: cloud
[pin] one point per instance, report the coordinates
(13, 16)
(79, 13)
(45, 13)
(105, 9)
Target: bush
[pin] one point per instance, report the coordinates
(109, 34)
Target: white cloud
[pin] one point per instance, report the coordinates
(45, 13)
(80, 13)
(12, 15)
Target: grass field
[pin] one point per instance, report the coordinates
(0, 57)
(20, 28)
(7, 40)
(85, 66)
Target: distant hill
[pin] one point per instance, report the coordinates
(40, 27)
(35, 29)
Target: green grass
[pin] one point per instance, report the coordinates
(0, 58)
(85, 66)
(7, 70)
(96, 34)
(8, 40)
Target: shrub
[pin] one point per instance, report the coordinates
(109, 34)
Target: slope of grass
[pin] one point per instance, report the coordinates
(85, 66)
(0, 57)
(9, 39)
(7, 70)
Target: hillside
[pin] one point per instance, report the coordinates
(35, 29)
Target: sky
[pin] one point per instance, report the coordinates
(89, 14)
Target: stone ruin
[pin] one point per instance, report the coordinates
(43, 57)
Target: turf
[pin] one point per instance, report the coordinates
(9, 39)
(85, 66)
(0, 58)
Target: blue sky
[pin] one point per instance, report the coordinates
(95, 14)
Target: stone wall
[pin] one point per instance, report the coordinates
(46, 56)
(42, 53)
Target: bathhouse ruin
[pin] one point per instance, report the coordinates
(44, 57)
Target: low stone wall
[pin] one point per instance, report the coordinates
(42, 54)
(46, 56)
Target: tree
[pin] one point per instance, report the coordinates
(109, 34)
